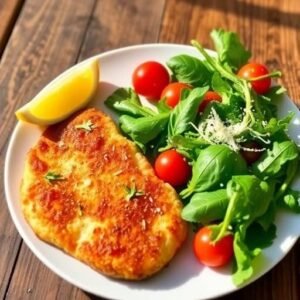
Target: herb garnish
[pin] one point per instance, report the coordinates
(87, 125)
(132, 192)
(51, 177)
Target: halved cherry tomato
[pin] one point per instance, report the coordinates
(208, 97)
(149, 79)
(172, 92)
(172, 167)
(253, 70)
(209, 254)
(251, 156)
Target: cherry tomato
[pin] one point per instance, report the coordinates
(251, 156)
(172, 92)
(253, 70)
(208, 97)
(172, 167)
(209, 254)
(149, 79)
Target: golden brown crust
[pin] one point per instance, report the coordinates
(88, 212)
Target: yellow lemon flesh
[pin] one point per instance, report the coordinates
(65, 95)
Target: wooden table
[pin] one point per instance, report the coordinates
(41, 38)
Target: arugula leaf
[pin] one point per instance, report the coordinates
(153, 146)
(274, 125)
(185, 112)
(162, 106)
(187, 145)
(253, 197)
(232, 111)
(247, 246)
(258, 237)
(265, 108)
(241, 86)
(291, 201)
(249, 199)
(206, 207)
(125, 100)
(274, 94)
(190, 70)
(221, 86)
(230, 50)
(144, 129)
(273, 160)
(290, 171)
(243, 268)
(268, 218)
(214, 167)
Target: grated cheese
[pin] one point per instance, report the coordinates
(215, 131)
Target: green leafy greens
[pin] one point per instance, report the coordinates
(213, 168)
(237, 198)
(230, 50)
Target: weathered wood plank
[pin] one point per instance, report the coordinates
(9, 239)
(42, 46)
(271, 30)
(32, 280)
(120, 23)
(104, 32)
(46, 40)
(9, 10)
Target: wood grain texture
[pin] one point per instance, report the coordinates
(269, 28)
(103, 33)
(46, 40)
(32, 280)
(9, 238)
(9, 10)
(120, 23)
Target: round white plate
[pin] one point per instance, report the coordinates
(184, 278)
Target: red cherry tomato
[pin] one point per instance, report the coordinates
(253, 70)
(208, 97)
(209, 254)
(172, 92)
(251, 156)
(172, 167)
(149, 79)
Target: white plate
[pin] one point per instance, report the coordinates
(184, 278)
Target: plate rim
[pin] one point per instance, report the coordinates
(8, 155)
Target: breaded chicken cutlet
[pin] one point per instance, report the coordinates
(87, 190)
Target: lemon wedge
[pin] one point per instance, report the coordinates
(65, 95)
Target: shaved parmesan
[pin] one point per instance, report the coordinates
(215, 131)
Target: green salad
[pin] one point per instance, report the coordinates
(213, 133)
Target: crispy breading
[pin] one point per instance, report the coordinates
(87, 190)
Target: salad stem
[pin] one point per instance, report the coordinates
(242, 84)
(270, 75)
(216, 65)
(228, 217)
(248, 119)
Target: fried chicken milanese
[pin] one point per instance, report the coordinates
(88, 190)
